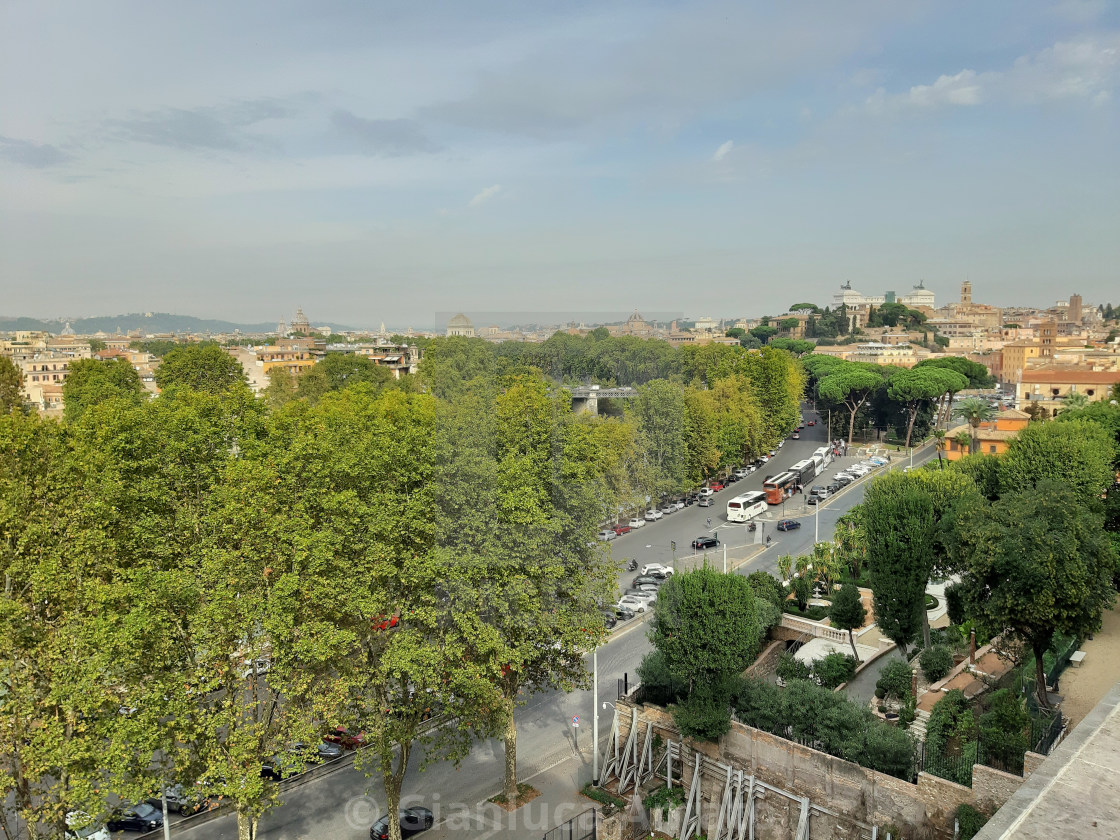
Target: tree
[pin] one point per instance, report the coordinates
(900, 524)
(11, 385)
(940, 443)
(787, 324)
(202, 367)
(805, 307)
(281, 388)
(92, 381)
(917, 386)
(1075, 401)
(978, 377)
(340, 370)
(848, 612)
(706, 626)
(850, 386)
(659, 410)
(1103, 414)
(1036, 562)
(764, 332)
(1079, 453)
(795, 346)
(974, 411)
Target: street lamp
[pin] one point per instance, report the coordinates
(817, 522)
(595, 716)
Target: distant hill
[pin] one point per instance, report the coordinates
(147, 323)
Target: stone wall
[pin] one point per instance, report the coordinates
(857, 795)
(1031, 761)
(767, 662)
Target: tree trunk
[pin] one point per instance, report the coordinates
(393, 779)
(852, 641)
(910, 425)
(246, 825)
(510, 787)
(974, 445)
(851, 426)
(1040, 678)
(925, 622)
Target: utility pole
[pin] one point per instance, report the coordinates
(595, 717)
(673, 546)
(725, 558)
(817, 522)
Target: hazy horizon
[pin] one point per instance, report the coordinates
(383, 161)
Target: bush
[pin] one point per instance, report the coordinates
(1004, 728)
(817, 612)
(802, 591)
(954, 602)
(766, 587)
(790, 668)
(664, 798)
(936, 662)
(894, 681)
(950, 742)
(970, 821)
(835, 669)
(705, 714)
(760, 704)
(658, 685)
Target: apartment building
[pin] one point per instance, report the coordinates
(1048, 386)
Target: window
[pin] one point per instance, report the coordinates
(992, 449)
(1089, 392)
(1054, 391)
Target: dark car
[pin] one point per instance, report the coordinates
(814, 500)
(842, 480)
(706, 542)
(834, 487)
(181, 800)
(641, 580)
(788, 525)
(141, 817)
(413, 821)
(609, 620)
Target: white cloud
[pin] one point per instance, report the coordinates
(485, 195)
(961, 89)
(723, 150)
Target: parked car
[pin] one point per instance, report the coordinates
(742, 472)
(678, 504)
(412, 820)
(705, 501)
(622, 529)
(181, 800)
(139, 817)
(764, 458)
(834, 487)
(843, 479)
(633, 604)
(667, 508)
(795, 436)
(705, 492)
(812, 422)
(656, 568)
(81, 826)
(636, 522)
(345, 738)
(641, 580)
(813, 500)
(609, 620)
(781, 443)
(607, 534)
(857, 469)
(653, 514)
(709, 541)
(623, 614)
(788, 525)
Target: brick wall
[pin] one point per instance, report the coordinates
(856, 794)
(767, 662)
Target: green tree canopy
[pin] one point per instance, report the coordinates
(849, 385)
(11, 383)
(340, 370)
(764, 332)
(1036, 562)
(92, 381)
(201, 367)
(848, 612)
(1079, 453)
(1103, 414)
(917, 386)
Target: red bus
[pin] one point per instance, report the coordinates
(777, 487)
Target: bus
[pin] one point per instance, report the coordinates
(805, 470)
(778, 487)
(746, 507)
(825, 455)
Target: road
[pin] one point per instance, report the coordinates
(345, 803)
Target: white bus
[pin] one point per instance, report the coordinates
(823, 456)
(746, 507)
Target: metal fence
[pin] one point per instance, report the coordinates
(580, 827)
(957, 767)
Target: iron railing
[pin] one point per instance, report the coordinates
(580, 827)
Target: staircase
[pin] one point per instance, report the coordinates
(918, 727)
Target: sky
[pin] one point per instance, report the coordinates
(378, 161)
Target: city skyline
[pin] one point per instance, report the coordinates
(707, 157)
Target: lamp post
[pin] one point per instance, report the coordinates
(595, 717)
(817, 522)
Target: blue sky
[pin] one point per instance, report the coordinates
(376, 161)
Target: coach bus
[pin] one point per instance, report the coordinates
(805, 470)
(746, 507)
(823, 456)
(778, 487)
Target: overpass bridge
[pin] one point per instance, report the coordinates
(586, 397)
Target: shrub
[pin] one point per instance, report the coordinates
(1004, 728)
(760, 704)
(816, 612)
(970, 821)
(835, 669)
(802, 591)
(790, 668)
(936, 661)
(950, 746)
(658, 685)
(705, 714)
(954, 602)
(664, 798)
(766, 587)
(894, 680)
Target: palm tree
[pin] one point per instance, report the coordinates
(939, 441)
(1076, 399)
(974, 411)
(962, 439)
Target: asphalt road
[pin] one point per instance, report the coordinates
(345, 803)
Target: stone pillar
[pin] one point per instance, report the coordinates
(914, 683)
(972, 647)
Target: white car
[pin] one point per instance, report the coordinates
(857, 469)
(81, 825)
(653, 514)
(606, 535)
(657, 568)
(636, 522)
(633, 603)
(668, 508)
(706, 492)
(742, 472)
(877, 460)
(678, 505)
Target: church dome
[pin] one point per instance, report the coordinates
(459, 320)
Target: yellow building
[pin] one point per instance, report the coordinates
(993, 437)
(1048, 386)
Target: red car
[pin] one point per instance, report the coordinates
(812, 422)
(345, 738)
(622, 529)
(716, 485)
